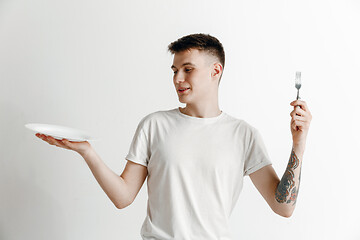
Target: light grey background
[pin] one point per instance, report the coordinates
(103, 65)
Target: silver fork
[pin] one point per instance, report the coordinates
(298, 86)
(298, 83)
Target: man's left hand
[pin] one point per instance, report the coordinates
(300, 123)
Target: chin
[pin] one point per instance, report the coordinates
(183, 100)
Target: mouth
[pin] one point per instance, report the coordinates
(183, 90)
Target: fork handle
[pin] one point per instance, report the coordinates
(297, 98)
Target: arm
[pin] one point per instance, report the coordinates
(281, 195)
(123, 189)
(288, 188)
(278, 194)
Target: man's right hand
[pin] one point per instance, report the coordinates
(79, 147)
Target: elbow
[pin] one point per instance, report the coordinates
(285, 214)
(283, 211)
(118, 206)
(121, 205)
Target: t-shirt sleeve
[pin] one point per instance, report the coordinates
(256, 156)
(139, 151)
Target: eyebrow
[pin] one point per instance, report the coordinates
(187, 63)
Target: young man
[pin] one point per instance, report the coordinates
(196, 157)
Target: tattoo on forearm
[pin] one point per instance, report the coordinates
(287, 186)
(293, 198)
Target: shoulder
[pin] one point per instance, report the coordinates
(156, 116)
(241, 125)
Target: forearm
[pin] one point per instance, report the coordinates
(287, 190)
(113, 185)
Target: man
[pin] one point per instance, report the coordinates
(195, 157)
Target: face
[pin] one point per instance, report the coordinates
(197, 71)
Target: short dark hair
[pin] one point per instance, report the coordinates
(202, 42)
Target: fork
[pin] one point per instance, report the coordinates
(298, 83)
(298, 86)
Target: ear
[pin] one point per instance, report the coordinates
(217, 70)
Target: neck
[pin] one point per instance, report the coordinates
(201, 110)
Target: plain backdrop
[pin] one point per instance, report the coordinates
(101, 66)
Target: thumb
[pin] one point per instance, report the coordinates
(66, 142)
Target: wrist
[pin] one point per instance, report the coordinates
(299, 149)
(86, 153)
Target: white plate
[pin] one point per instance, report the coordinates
(60, 132)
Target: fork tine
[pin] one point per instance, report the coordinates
(298, 79)
(298, 76)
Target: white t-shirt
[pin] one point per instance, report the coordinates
(195, 172)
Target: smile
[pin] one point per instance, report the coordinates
(184, 90)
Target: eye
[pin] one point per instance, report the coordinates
(175, 72)
(188, 69)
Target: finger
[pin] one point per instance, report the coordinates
(43, 137)
(298, 111)
(300, 103)
(63, 144)
(293, 125)
(55, 142)
(66, 143)
(299, 118)
(297, 125)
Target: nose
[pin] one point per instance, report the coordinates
(178, 78)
